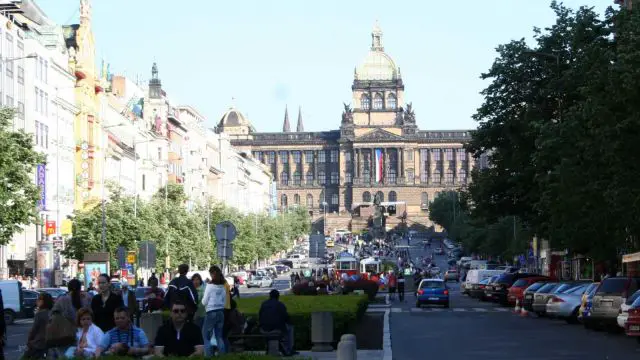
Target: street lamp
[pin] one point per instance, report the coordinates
(30, 56)
(324, 221)
(104, 208)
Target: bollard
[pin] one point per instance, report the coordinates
(386, 299)
(517, 309)
(347, 349)
(322, 331)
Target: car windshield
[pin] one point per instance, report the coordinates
(535, 286)
(633, 298)
(520, 283)
(575, 290)
(257, 278)
(432, 285)
(546, 288)
(613, 286)
(485, 281)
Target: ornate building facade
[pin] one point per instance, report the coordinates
(377, 151)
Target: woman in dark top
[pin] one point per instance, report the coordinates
(36, 343)
(104, 304)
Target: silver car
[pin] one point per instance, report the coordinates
(260, 281)
(565, 305)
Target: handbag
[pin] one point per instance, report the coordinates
(60, 331)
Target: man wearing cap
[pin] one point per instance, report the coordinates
(128, 298)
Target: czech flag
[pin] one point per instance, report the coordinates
(379, 168)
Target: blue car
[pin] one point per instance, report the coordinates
(432, 291)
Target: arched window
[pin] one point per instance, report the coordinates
(284, 178)
(392, 101)
(322, 178)
(283, 201)
(309, 177)
(334, 199)
(380, 196)
(449, 177)
(309, 201)
(462, 176)
(393, 196)
(365, 102)
(378, 102)
(296, 199)
(297, 178)
(366, 196)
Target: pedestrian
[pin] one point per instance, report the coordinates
(214, 300)
(200, 287)
(124, 338)
(401, 287)
(128, 298)
(69, 304)
(104, 304)
(36, 340)
(182, 288)
(178, 337)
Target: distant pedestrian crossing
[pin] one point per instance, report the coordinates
(439, 309)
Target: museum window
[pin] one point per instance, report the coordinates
(284, 179)
(322, 156)
(297, 178)
(257, 155)
(366, 176)
(296, 199)
(378, 102)
(380, 196)
(437, 156)
(366, 196)
(449, 176)
(309, 177)
(322, 178)
(308, 157)
(334, 156)
(462, 175)
(284, 157)
(424, 201)
(347, 156)
(393, 196)
(334, 199)
(347, 177)
(437, 176)
(309, 201)
(296, 157)
(462, 155)
(392, 176)
(365, 102)
(334, 178)
(411, 176)
(392, 102)
(272, 157)
(410, 155)
(283, 201)
(448, 154)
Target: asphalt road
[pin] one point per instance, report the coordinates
(16, 338)
(472, 329)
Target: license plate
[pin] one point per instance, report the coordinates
(434, 298)
(634, 328)
(606, 304)
(529, 296)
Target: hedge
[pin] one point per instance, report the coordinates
(370, 287)
(347, 311)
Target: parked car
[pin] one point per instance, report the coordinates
(610, 295)
(477, 290)
(566, 304)
(438, 251)
(432, 291)
(486, 296)
(29, 298)
(54, 292)
(585, 305)
(12, 298)
(260, 281)
(541, 296)
(529, 294)
(632, 325)
(624, 309)
(516, 291)
(499, 289)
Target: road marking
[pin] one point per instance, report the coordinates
(396, 309)
(480, 309)
(417, 310)
(501, 309)
(437, 309)
(459, 309)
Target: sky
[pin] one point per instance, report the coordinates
(261, 56)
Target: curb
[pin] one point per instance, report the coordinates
(386, 338)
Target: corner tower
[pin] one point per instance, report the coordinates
(378, 91)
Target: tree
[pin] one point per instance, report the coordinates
(18, 193)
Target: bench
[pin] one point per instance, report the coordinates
(272, 340)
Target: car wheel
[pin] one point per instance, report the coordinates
(9, 317)
(573, 318)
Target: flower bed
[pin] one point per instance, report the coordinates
(347, 310)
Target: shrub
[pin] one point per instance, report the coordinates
(370, 287)
(347, 310)
(304, 289)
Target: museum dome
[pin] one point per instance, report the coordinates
(232, 118)
(378, 65)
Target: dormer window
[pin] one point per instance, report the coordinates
(378, 102)
(365, 102)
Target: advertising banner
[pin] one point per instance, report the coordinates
(92, 271)
(41, 180)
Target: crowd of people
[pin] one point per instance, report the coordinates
(203, 316)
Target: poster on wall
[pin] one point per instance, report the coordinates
(92, 271)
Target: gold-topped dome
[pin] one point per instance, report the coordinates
(377, 65)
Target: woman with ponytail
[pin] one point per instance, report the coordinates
(69, 304)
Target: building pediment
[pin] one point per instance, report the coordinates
(379, 135)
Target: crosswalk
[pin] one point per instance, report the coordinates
(440, 310)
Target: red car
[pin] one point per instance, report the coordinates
(632, 325)
(516, 291)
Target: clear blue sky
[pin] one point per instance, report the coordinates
(268, 54)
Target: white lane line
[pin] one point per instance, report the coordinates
(501, 309)
(480, 309)
(459, 309)
(396, 309)
(387, 353)
(417, 310)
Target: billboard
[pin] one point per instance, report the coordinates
(41, 181)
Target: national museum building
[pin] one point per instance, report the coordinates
(378, 150)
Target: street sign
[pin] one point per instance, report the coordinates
(225, 231)
(225, 251)
(122, 256)
(131, 257)
(50, 227)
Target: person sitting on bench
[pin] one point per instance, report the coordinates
(274, 318)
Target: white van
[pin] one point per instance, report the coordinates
(12, 299)
(477, 264)
(475, 276)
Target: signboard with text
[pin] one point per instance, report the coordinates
(50, 227)
(41, 181)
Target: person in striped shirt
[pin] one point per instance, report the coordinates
(124, 338)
